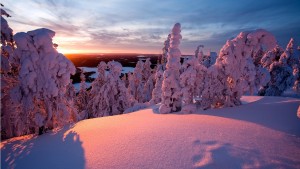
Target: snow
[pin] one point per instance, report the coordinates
(265, 133)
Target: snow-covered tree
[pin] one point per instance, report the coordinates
(148, 80)
(188, 85)
(212, 88)
(291, 56)
(199, 53)
(171, 90)
(271, 56)
(82, 98)
(43, 78)
(282, 69)
(146, 71)
(11, 114)
(156, 92)
(148, 88)
(158, 77)
(96, 101)
(112, 98)
(235, 67)
(165, 51)
(136, 82)
(70, 92)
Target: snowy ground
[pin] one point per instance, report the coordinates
(262, 133)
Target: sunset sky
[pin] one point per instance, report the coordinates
(140, 26)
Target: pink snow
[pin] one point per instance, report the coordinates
(264, 132)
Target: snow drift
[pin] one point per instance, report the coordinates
(264, 133)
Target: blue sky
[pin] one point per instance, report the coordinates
(141, 26)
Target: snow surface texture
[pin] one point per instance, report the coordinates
(261, 134)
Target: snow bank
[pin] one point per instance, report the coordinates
(261, 134)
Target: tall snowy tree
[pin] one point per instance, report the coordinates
(171, 90)
(158, 77)
(44, 76)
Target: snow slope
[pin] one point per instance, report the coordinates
(262, 133)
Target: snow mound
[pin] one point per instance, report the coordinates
(262, 134)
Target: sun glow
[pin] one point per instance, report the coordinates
(73, 51)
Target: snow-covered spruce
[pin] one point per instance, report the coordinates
(112, 97)
(283, 67)
(236, 70)
(82, 98)
(271, 56)
(148, 88)
(7, 44)
(44, 76)
(199, 53)
(11, 114)
(156, 92)
(292, 57)
(148, 80)
(188, 85)
(165, 51)
(136, 82)
(171, 91)
(96, 101)
(212, 93)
